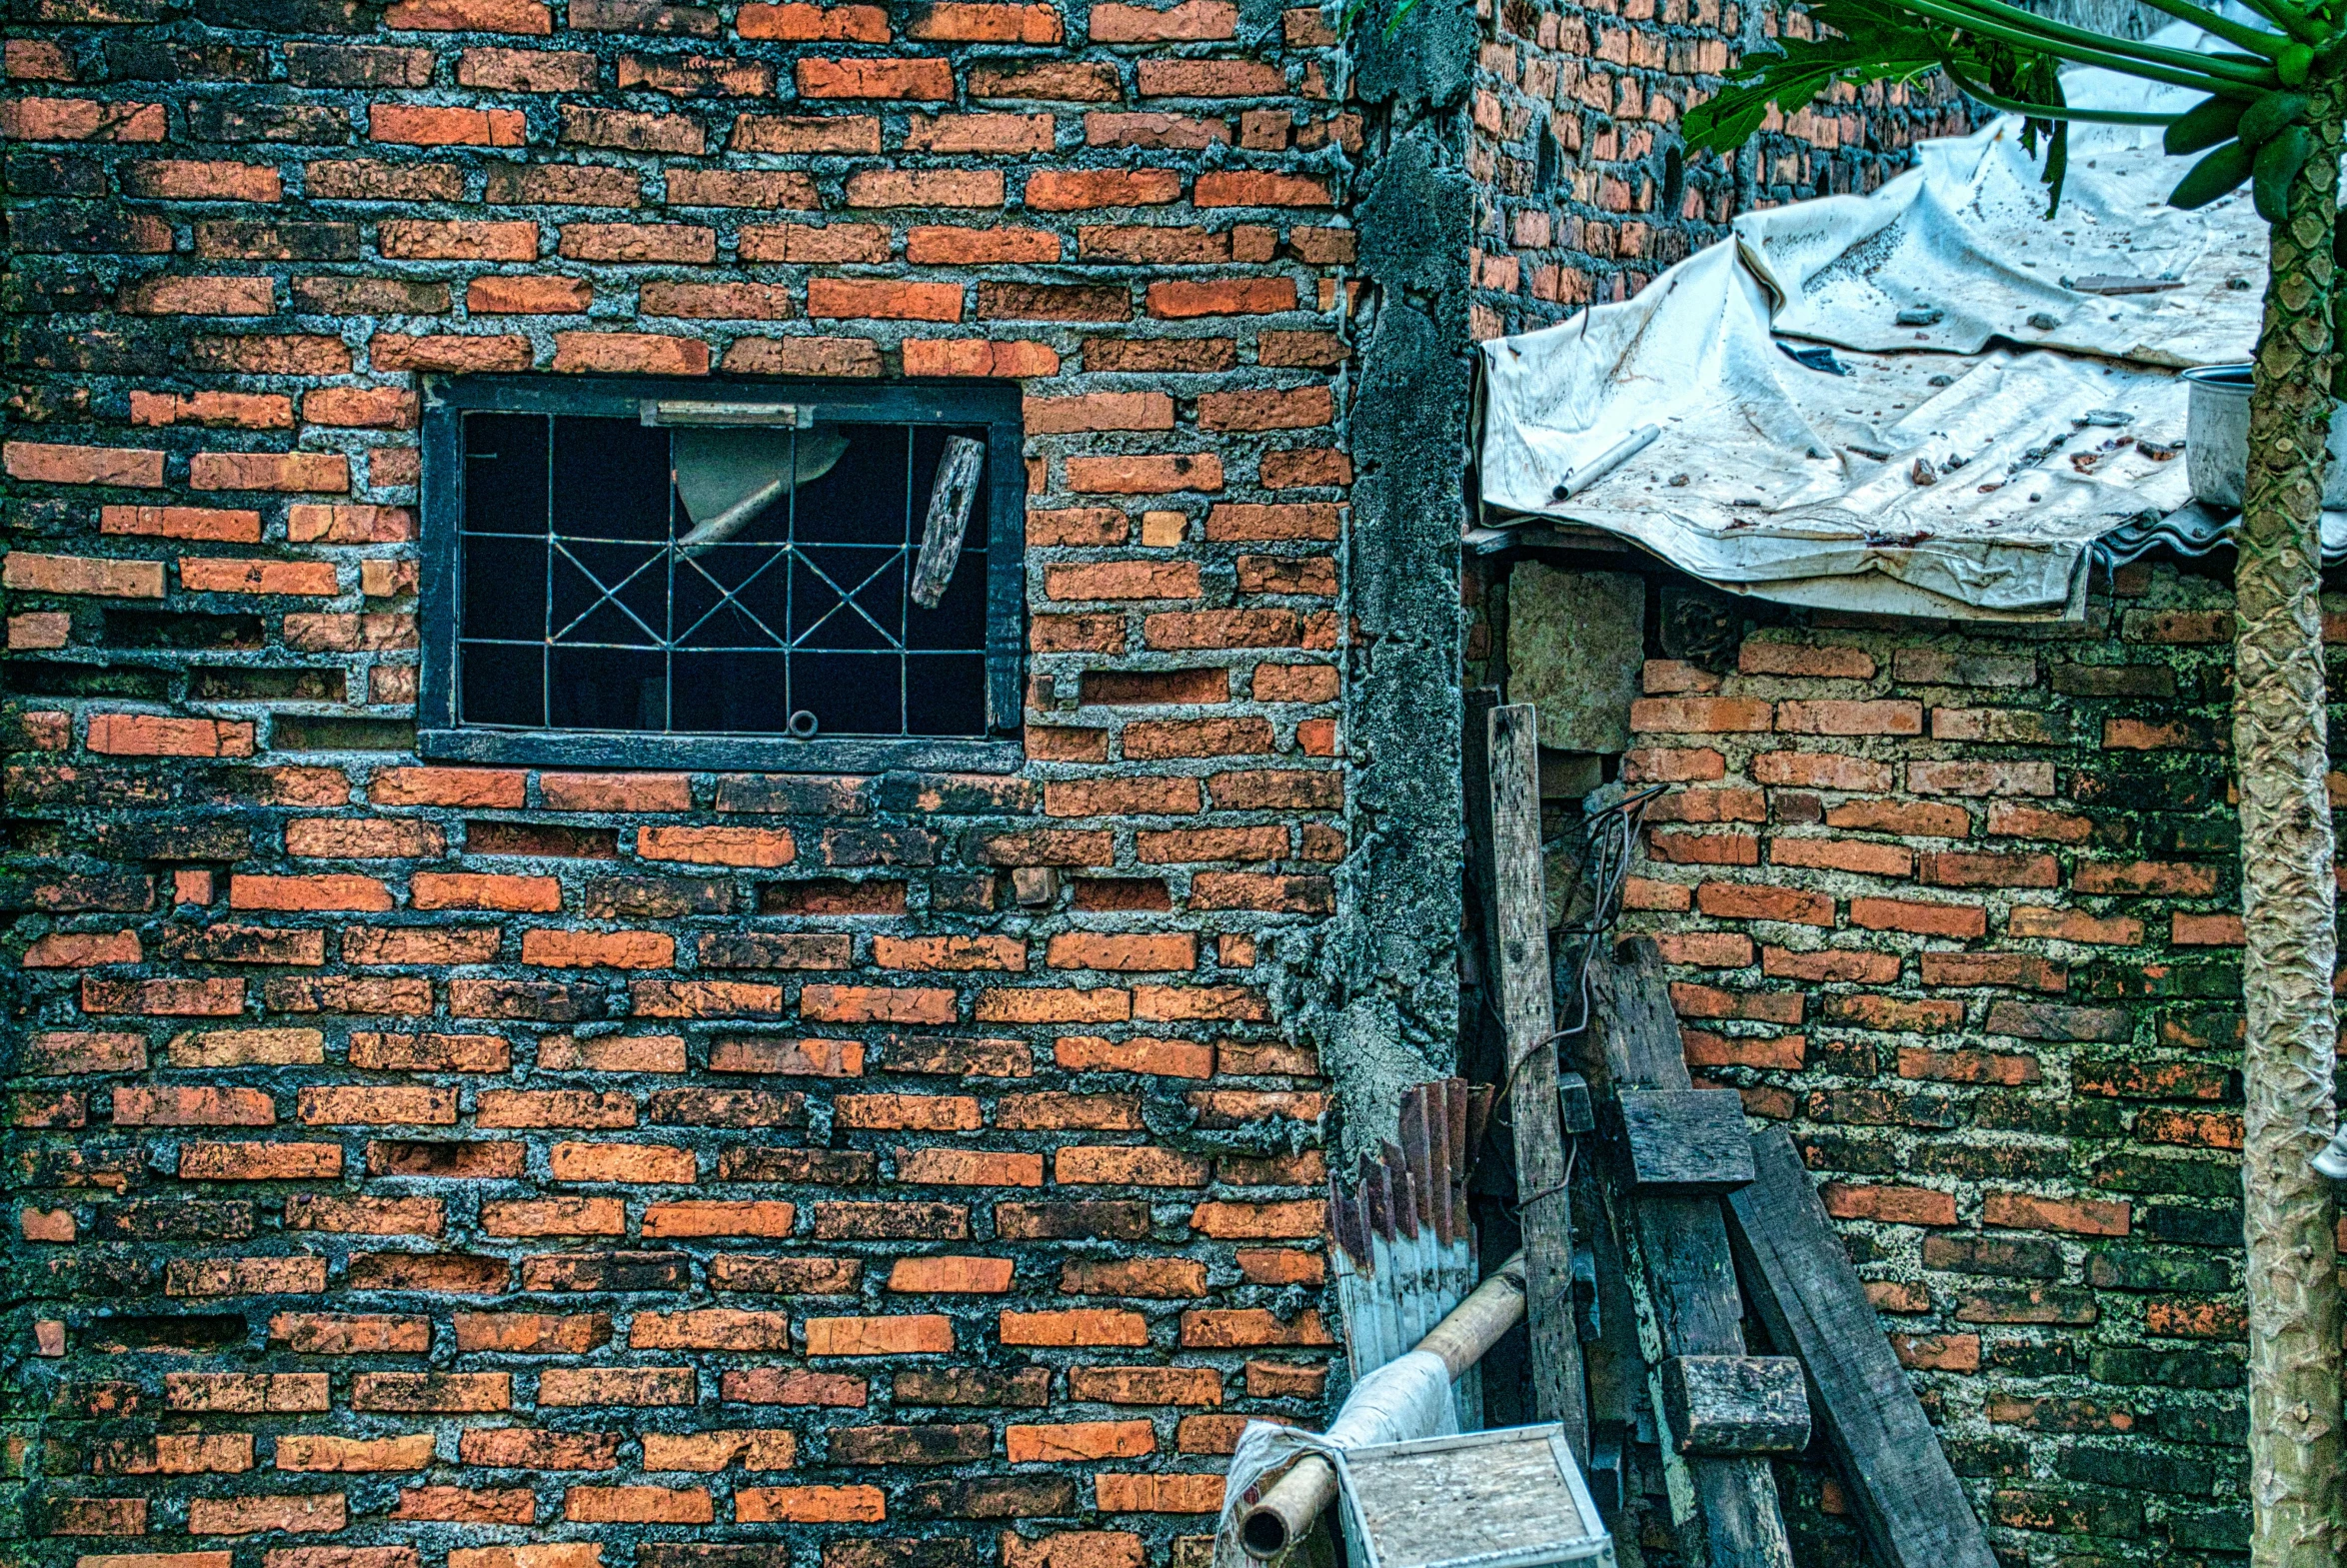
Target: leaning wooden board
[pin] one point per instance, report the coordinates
(1909, 1506)
(1679, 1255)
(1512, 756)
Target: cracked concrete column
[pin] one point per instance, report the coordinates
(1386, 1012)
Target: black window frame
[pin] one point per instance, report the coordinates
(997, 405)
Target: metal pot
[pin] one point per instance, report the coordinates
(2216, 438)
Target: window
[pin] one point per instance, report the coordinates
(770, 574)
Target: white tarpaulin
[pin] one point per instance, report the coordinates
(1974, 408)
(1410, 1396)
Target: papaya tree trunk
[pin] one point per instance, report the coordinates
(2280, 748)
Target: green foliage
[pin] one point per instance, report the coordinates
(1870, 41)
(2011, 59)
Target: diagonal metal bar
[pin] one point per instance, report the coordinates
(848, 600)
(610, 592)
(725, 595)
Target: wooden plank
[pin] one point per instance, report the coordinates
(1528, 1019)
(1681, 1271)
(1475, 784)
(950, 498)
(1685, 1141)
(1909, 1507)
(1736, 1405)
(1618, 1406)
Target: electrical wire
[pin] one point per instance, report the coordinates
(1612, 832)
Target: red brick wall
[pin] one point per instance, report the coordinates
(1574, 144)
(498, 1166)
(1960, 909)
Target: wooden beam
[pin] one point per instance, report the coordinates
(1681, 1272)
(950, 498)
(1736, 1405)
(1685, 1141)
(1909, 1507)
(1476, 787)
(1528, 1017)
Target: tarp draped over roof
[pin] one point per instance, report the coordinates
(1982, 413)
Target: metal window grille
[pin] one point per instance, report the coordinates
(718, 585)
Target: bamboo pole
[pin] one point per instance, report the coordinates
(1474, 1327)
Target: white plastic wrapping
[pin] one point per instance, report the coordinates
(1407, 1398)
(1946, 299)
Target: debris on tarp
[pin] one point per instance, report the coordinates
(1929, 400)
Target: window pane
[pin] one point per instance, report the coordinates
(733, 694)
(732, 595)
(611, 478)
(960, 619)
(500, 684)
(945, 693)
(861, 499)
(505, 473)
(617, 577)
(609, 689)
(850, 694)
(844, 597)
(609, 593)
(505, 587)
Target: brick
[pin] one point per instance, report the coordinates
(863, 24)
(308, 1513)
(2025, 970)
(1744, 902)
(1922, 917)
(1075, 1327)
(1183, 301)
(1119, 1165)
(622, 1163)
(710, 1452)
(638, 1387)
(459, 786)
(906, 1334)
(482, 16)
(39, 464)
(710, 1329)
(81, 120)
(1699, 715)
(1822, 771)
(2025, 1212)
(1251, 186)
(809, 1505)
(1890, 1205)
(911, 80)
(1889, 717)
(1954, 869)
(1981, 779)
(1079, 1441)
(2169, 879)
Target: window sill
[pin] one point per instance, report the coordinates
(747, 754)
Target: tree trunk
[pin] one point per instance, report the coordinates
(2280, 748)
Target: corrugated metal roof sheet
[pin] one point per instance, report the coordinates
(1930, 401)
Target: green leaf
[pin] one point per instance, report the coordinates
(1870, 41)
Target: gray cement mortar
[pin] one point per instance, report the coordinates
(1379, 996)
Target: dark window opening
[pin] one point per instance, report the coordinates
(774, 575)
